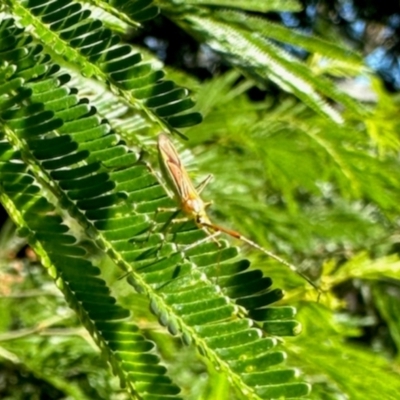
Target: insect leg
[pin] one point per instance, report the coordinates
(203, 184)
(210, 236)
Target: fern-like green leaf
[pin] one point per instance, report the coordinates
(250, 5)
(86, 44)
(60, 157)
(86, 293)
(247, 43)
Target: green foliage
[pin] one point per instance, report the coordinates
(247, 42)
(327, 198)
(79, 110)
(249, 5)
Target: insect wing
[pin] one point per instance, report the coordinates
(173, 171)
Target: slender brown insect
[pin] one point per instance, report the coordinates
(192, 204)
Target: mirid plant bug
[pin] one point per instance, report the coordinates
(191, 204)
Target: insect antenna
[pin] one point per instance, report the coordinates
(237, 235)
